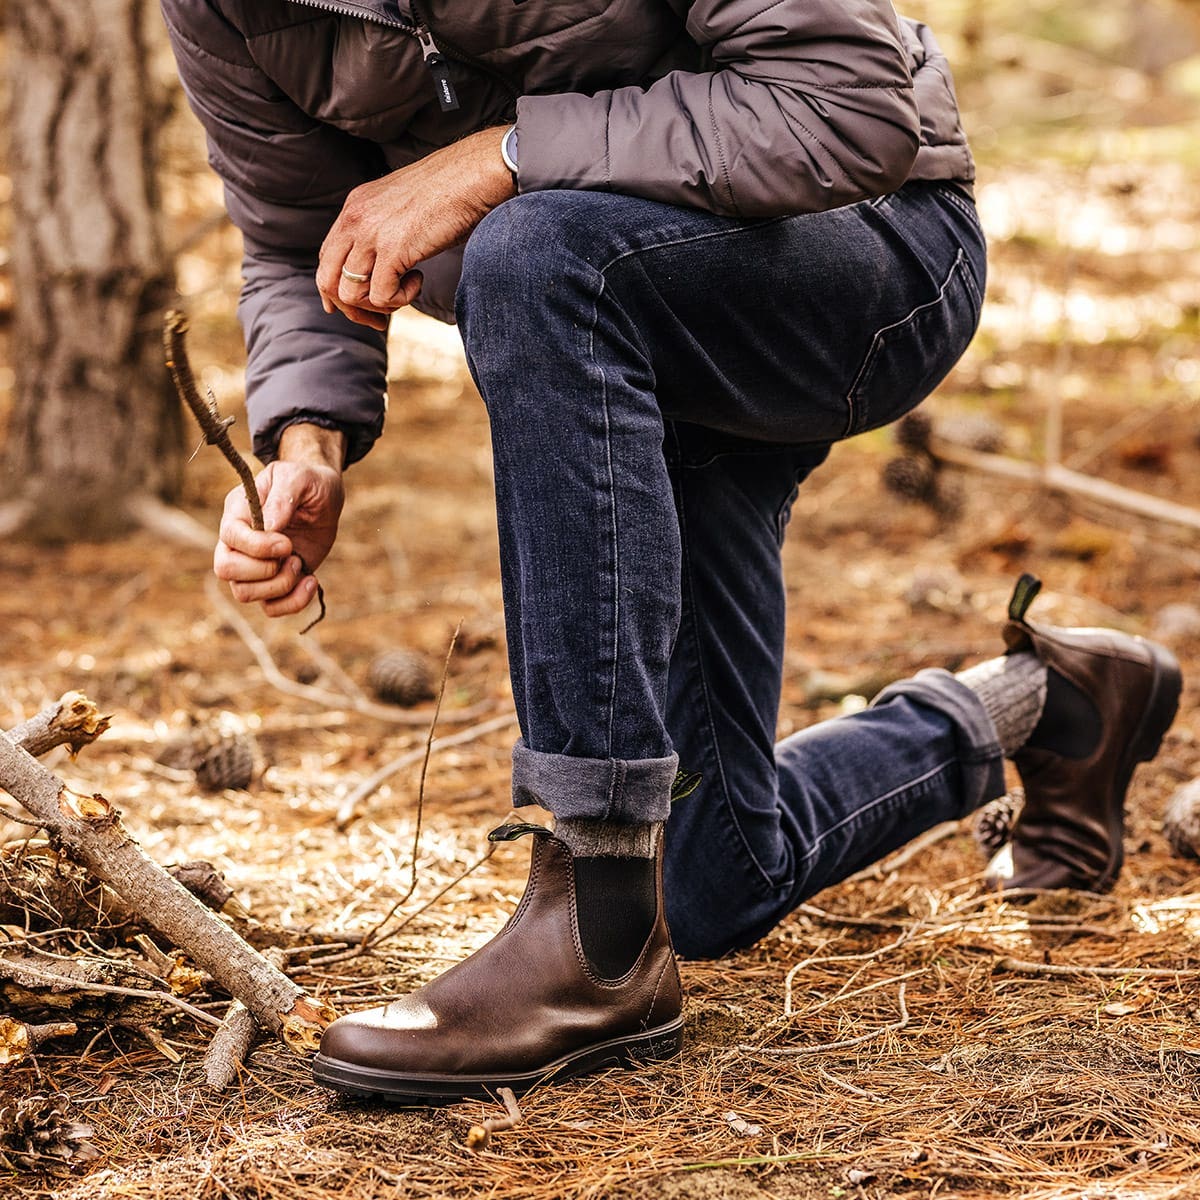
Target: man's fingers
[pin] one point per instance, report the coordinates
(298, 599)
(390, 291)
(237, 535)
(354, 278)
(279, 585)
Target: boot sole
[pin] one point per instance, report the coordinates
(1157, 717)
(403, 1087)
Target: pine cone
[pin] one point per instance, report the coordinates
(994, 822)
(39, 1133)
(1181, 820)
(400, 677)
(912, 476)
(227, 764)
(914, 430)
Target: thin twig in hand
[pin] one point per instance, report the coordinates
(368, 937)
(481, 1135)
(216, 429)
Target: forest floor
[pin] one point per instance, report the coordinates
(998, 1082)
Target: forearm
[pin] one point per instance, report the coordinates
(312, 445)
(303, 365)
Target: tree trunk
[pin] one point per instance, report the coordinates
(95, 421)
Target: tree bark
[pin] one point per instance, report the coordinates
(95, 421)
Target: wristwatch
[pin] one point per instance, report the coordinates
(508, 152)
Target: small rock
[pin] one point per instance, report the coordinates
(1181, 820)
(1177, 623)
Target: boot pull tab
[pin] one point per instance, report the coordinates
(1023, 596)
(510, 833)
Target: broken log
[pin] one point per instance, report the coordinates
(74, 721)
(19, 1040)
(90, 830)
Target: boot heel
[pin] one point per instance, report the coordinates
(665, 1042)
(1162, 705)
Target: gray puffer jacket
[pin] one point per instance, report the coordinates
(751, 108)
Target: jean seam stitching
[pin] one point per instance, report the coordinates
(709, 720)
(853, 817)
(613, 525)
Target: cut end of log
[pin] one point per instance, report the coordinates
(18, 1040)
(93, 809)
(80, 719)
(302, 1027)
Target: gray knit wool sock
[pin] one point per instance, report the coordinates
(608, 839)
(1013, 691)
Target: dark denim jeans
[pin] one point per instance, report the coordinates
(659, 380)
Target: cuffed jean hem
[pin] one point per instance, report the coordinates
(594, 789)
(979, 754)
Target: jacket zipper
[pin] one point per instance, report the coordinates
(434, 58)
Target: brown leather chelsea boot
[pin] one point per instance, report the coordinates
(524, 1009)
(1116, 697)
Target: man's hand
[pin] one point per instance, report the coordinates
(389, 225)
(302, 497)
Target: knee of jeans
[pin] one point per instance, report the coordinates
(528, 248)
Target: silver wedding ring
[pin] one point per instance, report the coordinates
(355, 277)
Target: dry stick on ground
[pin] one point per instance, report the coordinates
(90, 830)
(1058, 478)
(303, 691)
(479, 1136)
(369, 936)
(230, 1045)
(19, 1040)
(1021, 967)
(216, 428)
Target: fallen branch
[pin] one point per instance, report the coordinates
(1058, 478)
(72, 977)
(230, 1045)
(74, 721)
(19, 1040)
(90, 830)
(480, 1136)
(1021, 967)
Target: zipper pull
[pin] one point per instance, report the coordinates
(447, 96)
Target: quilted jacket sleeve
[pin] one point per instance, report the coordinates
(285, 178)
(809, 106)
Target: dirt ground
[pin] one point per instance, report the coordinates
(984, 1079)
